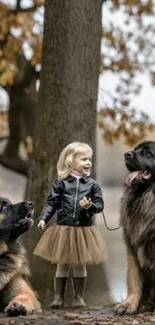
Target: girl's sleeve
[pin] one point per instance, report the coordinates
(53, 200)
(97, 199)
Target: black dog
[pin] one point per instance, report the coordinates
(15, 218)
(16, 295)
(138, 222)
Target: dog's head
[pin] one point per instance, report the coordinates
(141, 163)
(15, 219)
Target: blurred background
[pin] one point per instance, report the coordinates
(125, 104)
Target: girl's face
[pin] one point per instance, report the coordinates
(82, 163)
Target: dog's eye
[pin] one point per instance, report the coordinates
(5, 206)
(147, 153)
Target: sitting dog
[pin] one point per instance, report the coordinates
(138, 222)
(16, 294)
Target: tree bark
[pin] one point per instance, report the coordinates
(66, 112)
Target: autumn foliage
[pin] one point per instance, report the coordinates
(18, 29)
(127, 48)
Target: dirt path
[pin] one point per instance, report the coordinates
(88, 317)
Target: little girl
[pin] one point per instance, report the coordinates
(73, 241)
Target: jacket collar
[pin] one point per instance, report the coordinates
(71, 178)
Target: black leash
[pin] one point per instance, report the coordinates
(111, 229)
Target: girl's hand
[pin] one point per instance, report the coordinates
(41, 225)
(85, 203)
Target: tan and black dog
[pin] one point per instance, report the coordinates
(16, 294)
(138, 222)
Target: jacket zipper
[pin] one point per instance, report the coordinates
(77, 185)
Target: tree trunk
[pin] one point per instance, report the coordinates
(66, 112)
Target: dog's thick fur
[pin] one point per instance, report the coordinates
(16, 294)
(138, 222)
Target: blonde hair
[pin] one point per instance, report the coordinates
(65, 163)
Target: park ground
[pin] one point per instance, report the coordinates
(85, 317)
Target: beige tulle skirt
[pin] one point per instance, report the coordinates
(72, 245)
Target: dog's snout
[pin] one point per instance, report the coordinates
(128, 154)
(30, 204)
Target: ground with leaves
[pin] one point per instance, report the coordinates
(87, 317)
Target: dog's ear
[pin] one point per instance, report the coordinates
(4, 201)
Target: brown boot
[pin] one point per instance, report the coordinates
(59, 285)
(79, 289)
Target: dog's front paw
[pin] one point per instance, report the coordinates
(129, 306)
(122, 309)
(17, 308)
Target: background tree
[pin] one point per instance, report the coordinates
(127, 48)
(67, 101)
(20, 37)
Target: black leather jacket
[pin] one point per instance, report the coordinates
(64, 198)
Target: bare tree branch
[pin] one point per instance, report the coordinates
(29, 74)
(4, 138)
(29, 9)
(18, 4)
(15, 164)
